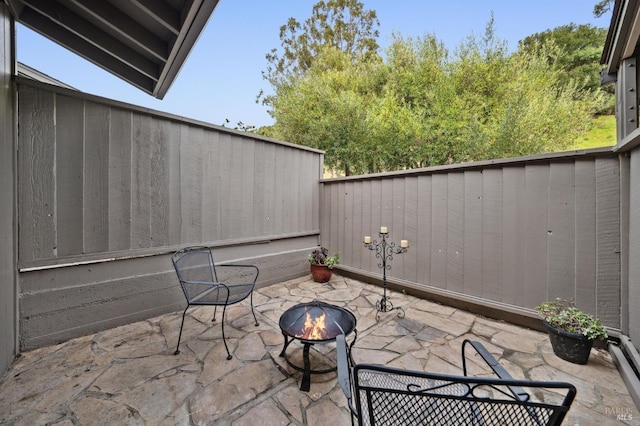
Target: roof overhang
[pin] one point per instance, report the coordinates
(144, 42)
(623, 35)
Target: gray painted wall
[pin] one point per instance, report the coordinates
(7, 185)
(511, 233)
(117, 188)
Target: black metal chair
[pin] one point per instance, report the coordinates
(391, 396)
(205, 283)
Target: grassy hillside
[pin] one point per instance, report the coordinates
(602, 134)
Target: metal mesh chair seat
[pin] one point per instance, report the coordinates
(391, 396)
(205, 283)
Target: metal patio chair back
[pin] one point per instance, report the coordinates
(205, 283)
(380, 395)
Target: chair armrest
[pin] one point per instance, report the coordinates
(495, 366)
(344, 370)
(248, 271)
(212, 286)
(343, 366)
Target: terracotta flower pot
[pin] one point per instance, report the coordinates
(321, 273)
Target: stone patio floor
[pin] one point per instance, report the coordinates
(129, 375)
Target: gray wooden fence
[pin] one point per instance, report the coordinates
(508, 234)
(107, 190)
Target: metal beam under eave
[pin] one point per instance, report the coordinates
(120, 23)
(60, 16)
(195, 20)
(164, 14)
(80, 46)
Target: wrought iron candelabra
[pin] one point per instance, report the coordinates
(385, 251)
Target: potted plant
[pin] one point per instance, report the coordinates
(571, 330)
(322, 263)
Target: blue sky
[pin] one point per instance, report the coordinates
(222, 75)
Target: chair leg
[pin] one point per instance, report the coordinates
(180, 334)
(224, 339)
(252, 311)
(215, 310)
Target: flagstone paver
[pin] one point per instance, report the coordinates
(129, 375)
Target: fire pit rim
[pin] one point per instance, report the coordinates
(303, 307)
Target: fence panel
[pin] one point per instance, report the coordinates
(506, 233)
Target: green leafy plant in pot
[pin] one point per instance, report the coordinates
(322, 263)
(571, 330)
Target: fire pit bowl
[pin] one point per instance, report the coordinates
(311, 323)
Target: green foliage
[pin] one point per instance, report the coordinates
(602, 7)
(342, 24)
(241, 126)
(563, 314)
(574, 51)
(603, 133)
(320, 256)
(421, 106)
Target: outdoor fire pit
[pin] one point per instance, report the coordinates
(311, 323)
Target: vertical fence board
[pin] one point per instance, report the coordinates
(348, 224)
(36, 178)
(335, 206)
(455, 230)
(473, 232)
(120, 179)
(396, 230)
(210, 188)
(514, 216)
(141, 182)
(226, 176)
(279, 191)
(175, 201)
(492, 238)
(246, 189)
(268, 220)
(410, 231)
(260, 188)
(367, 227)
(536, 196)
(191, 185)
(377, 208)
(235, 199)
(305, 192)
(585, 238)
(608, 239)
(69, 174)
(439, 234)
(561, 235)
(386, 204)
(288, 213)
(423, 246)
(96, 178)
(159, 183)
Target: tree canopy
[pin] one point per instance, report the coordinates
(420, 105)
(574, 51)
(343, 24)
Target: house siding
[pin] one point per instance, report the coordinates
(8, 284)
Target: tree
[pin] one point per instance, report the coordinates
(342, 24)
(578, 57)
(602, 7)
(422, 107)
